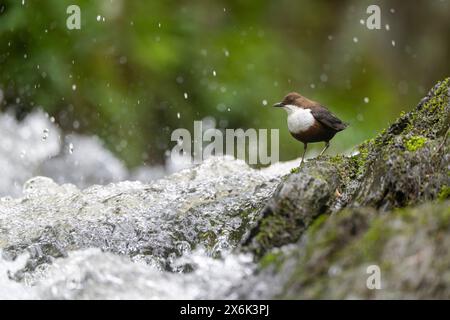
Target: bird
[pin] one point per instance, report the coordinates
(308, 121)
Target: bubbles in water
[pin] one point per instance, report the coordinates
(366, 100)
(355, 39)
(178, 115)
(74, 87)
(45, 134)
(393, 43)
(214, 73)
(387, 27)
(264, 102)
(70, 148)
(185, 95)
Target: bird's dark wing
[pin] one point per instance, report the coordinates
(324, 116)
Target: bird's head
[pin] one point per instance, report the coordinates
(291, 101)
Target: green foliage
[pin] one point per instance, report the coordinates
(131, 71)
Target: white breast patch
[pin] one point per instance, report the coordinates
(299, 120)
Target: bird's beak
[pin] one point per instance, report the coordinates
(278, 105)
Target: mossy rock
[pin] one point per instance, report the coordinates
(409, 245)
(302, 197)
(408, 163)
(405, 165)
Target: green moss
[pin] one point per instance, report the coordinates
(439, 99)
(271, 227)
(371, 244)
(359, 160)
(317, 224)
(274, 258)
(444, 193)
(415, 143)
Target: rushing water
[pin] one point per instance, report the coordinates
(77, 238)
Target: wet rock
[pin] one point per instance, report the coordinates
(403, 166)
(408, 163)
(409, 246)
(302, 197)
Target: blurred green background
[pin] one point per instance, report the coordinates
(124, 75)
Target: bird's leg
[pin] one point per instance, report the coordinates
(327, 144)
(304, 152)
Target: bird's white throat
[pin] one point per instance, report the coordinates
(299, 119)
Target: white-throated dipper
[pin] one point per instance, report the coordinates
(308, 121)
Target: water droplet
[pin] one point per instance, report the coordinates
(70, 148)
(264, 102)
(185, 95)
(362, 21)
(74, 87)
(214, 73)
(99, 18)
(366, 100)
(45, 134)
(393, 43)
(178, 115)
(355, 39)
(388, 27)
